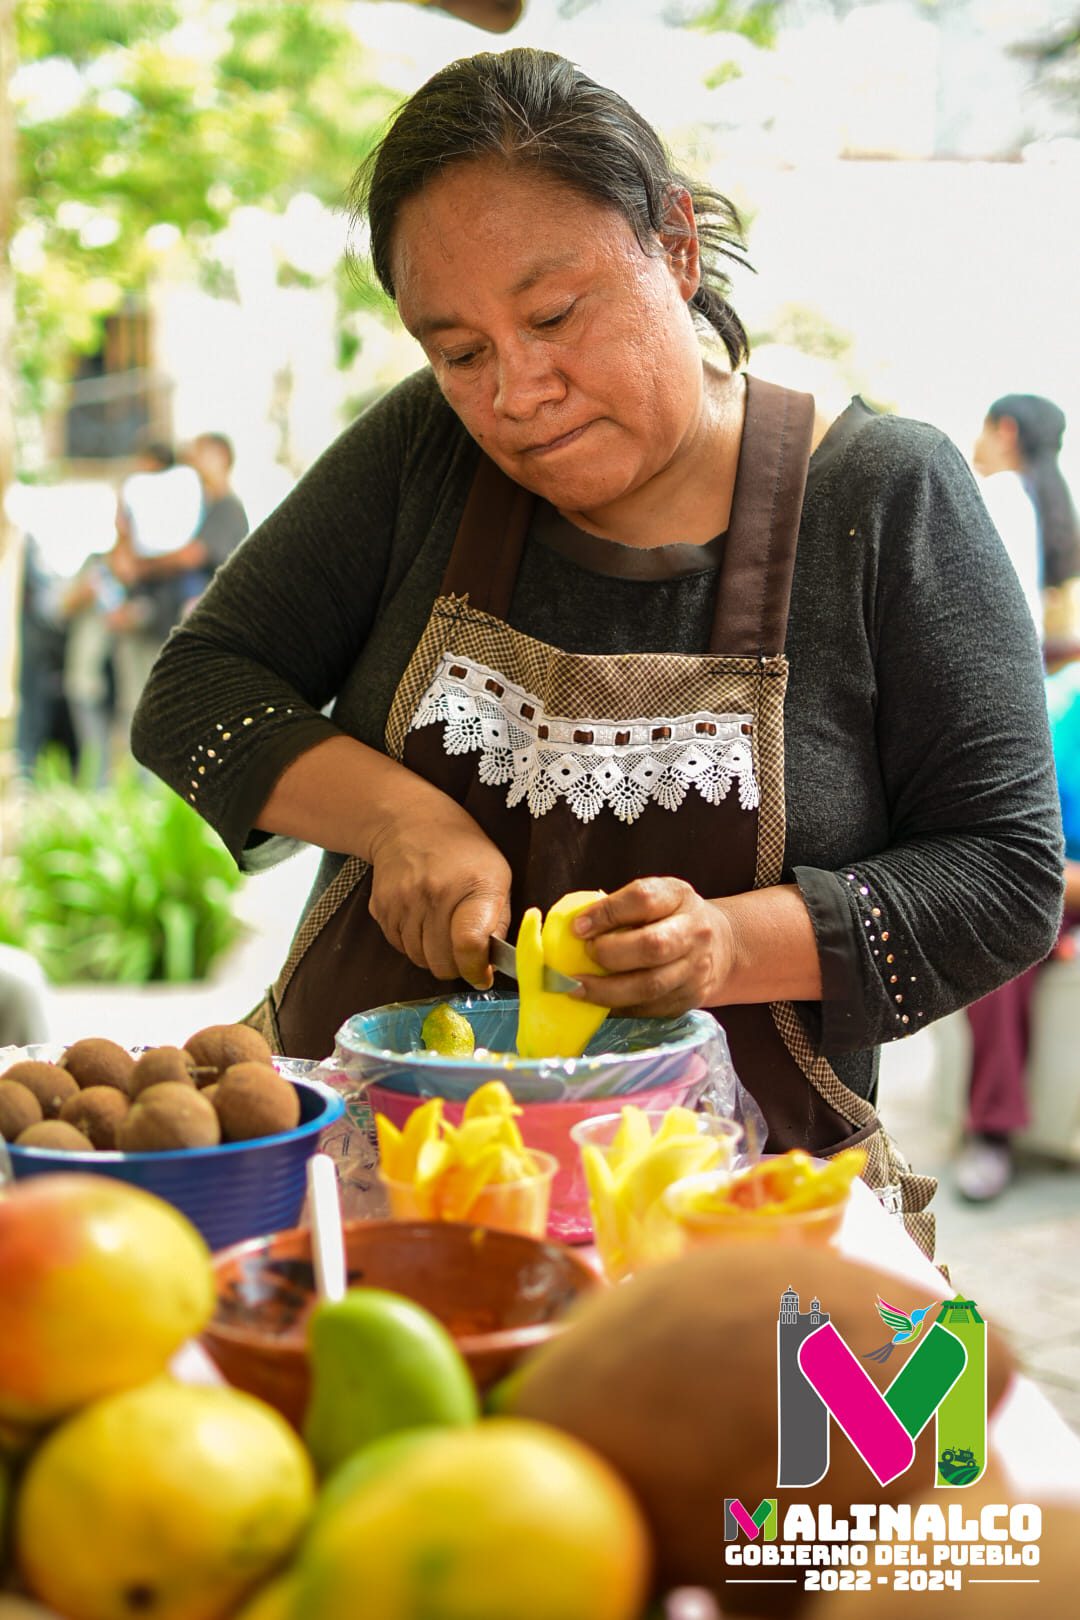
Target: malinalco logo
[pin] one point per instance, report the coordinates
(820, 1378)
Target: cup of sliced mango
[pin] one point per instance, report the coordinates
(789, 1198)
(478, 1171)
(629, 1160)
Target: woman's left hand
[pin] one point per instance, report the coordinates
(665, 948)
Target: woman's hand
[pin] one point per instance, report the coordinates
(439, 889)
(664, 947)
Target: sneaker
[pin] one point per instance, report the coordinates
(983, 1169)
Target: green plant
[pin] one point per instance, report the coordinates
(123, 884)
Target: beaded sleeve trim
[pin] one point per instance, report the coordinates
(593, 764)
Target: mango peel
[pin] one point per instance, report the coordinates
(628, 1177)
(551, 1024)
(447, 1168)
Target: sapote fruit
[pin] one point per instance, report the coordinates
(97, 1112)
(96, 1061)
(57, 1136)
(162, 1065)
(51, 1085)
(672, 1377)
(19, 1109)
(168, 1116)
(218, 1046)
(253, 1100)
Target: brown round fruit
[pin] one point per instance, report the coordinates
(166, 1117)
(160, 1066)
(56, 1135)
(253, 1100)
(51, 1085)
(97, 1112)
(19, 1109)
(96, 1061)
(672, 1377)
(218, 1046)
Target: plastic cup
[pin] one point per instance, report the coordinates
(505, 1206)
(631, 1226)
(812, 1228)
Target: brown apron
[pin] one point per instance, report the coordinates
(576, 766)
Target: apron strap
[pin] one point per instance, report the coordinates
(483, 564)
(754, 589)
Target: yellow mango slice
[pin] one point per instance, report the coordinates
(551, 1024)
(492, 1098)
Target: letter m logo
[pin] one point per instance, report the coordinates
(736, 1518)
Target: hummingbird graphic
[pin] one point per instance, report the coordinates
(906, 1329)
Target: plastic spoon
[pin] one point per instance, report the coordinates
(327, 1240)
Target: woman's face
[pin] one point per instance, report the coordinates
(568, 353)
(996, 449)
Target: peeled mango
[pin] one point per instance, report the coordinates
(627, 1179)
(102, 1283)
(448, 1167)
(551, 1024)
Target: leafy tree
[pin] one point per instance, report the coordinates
(144, 113)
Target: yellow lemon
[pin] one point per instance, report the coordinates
(168, 1500)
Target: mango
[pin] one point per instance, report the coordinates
(102, 1283)
(551, 1024)
(380, 1363)
(168, 1500)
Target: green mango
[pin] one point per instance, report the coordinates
(380, 1363)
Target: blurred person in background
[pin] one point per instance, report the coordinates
(1025, 491)
(1016, 454)
(223, 523)
(157, 513)
(593, 612)
(43, 718)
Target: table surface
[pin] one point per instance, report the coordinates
(1035, 1446)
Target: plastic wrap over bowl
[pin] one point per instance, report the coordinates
(657, 1063)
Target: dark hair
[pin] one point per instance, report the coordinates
(534, 109)
(157, 450)
(223, 443)
(1040, 428)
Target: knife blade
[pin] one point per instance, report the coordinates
(504, 960)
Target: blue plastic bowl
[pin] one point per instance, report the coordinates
(236, 1191)
(625, 1056)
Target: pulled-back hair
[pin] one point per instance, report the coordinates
(1040, 428)
(538, 112)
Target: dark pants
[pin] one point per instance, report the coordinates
(1000, 1037)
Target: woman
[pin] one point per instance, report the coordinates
(1017, 453)
(1027, 496)
(554, 585)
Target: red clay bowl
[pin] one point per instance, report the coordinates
(499, 1293)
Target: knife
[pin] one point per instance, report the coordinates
(504, 960)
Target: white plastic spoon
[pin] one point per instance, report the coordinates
(327, 1240)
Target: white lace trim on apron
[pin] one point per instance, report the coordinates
(592, 764)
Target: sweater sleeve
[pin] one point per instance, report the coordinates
(238, 691)
(967, 893)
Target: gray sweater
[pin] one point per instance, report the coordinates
(922, 816)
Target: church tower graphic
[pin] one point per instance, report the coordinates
(802, 1419)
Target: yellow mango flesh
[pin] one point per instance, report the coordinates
(551, 1024)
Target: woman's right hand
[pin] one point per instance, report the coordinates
(440, 888)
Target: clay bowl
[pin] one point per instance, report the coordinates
(499, 1293)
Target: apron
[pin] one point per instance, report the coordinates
(589, 771)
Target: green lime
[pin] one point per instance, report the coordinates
(448, 1032)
